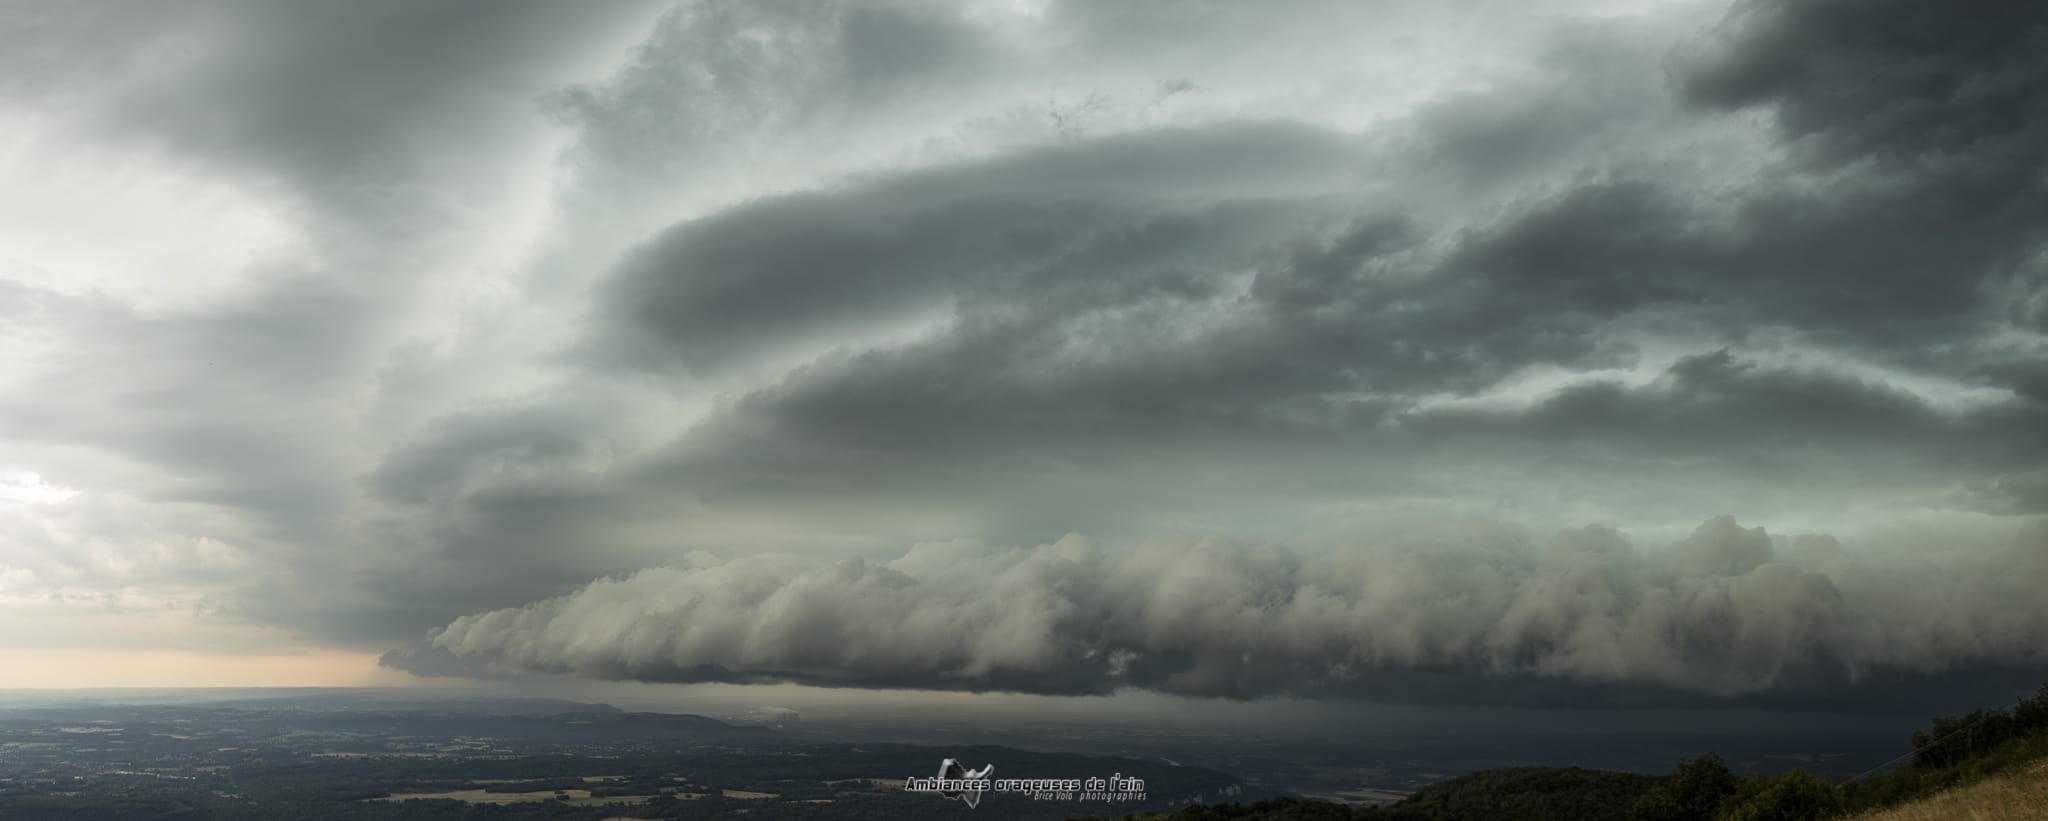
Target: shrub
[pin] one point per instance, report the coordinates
(1795, 795)
(1694, 793)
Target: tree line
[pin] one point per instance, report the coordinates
(1950, 752)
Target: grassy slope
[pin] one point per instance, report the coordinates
(2021, 793)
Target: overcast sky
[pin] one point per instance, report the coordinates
(1538, 352)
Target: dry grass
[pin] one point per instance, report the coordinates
(2013, 796)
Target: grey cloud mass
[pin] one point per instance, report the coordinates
(1728, 611)
(1289, 335)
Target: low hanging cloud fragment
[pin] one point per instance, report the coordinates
(1727, 612)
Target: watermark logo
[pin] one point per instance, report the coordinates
(956, 781)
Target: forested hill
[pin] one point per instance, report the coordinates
(1954, 753)
(1515, 792)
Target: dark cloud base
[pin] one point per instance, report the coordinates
(1885, 692)
(1728, 613)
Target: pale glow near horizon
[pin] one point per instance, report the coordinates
(69, 668)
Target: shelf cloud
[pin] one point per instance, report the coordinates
(1727, 612)
(1134, 324)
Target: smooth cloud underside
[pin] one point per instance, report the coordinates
(546, 297)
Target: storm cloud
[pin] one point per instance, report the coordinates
(1728, 612)
(413, 319)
